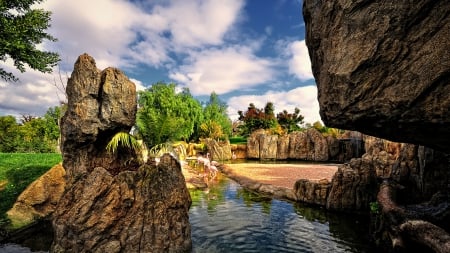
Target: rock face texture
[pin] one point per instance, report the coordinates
(219, 151)
(309, 145)
(39, 199)
(312, 192)
(114, 202)
(383, 68)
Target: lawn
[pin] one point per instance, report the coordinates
(17, 171)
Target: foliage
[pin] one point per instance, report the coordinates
(177, 149)
(211, 129)
(165, 115)
(374, 207)
(34, 134)
(9, 134)
(290, 121)
(255, 118)
(123, 140)
(22, 30)
(215, 123)
(17, 171)
(238, 140)
(327, 130)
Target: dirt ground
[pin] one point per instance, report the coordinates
(283, 175)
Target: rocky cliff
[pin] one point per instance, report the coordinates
(383, 67)
(113, 202)
(309, 145)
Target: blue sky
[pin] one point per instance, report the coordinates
(247, 51)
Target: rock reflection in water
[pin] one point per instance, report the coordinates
(227, 218)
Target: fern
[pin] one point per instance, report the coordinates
(125, 140)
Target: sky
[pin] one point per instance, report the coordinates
(246, 51)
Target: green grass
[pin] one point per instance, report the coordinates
(17, 171)
(238, 140)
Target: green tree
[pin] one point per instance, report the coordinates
(165, 115)
(9, 134)
(38, 135)
(290, 121)
(22, 29)
(255, 118)
(216, 124)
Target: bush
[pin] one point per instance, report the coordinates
(238, 140)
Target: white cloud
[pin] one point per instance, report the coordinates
(198, 23)
(305, 98)
(223, 70)
(120, 34)
(139, 85)
(300, 63)
(33, 94)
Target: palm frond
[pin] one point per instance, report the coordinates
(125, 140)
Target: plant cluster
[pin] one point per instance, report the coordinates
(32, 134)
(166, 115)
(255, 118)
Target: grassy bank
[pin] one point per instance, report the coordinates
(17, 171)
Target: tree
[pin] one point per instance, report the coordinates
(215, 124)
(165, 115)
(9, 134)
(22, 29)
(255, 118)
(290, 121)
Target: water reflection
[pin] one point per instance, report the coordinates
(228, 218)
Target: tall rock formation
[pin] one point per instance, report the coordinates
(113, 202)
(383, 67)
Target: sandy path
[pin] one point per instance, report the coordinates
(283, 175)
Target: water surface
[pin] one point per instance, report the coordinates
(228, 218)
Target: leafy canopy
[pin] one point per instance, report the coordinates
(215, 124)
(255, 118)
(21, 30)
(166, 115)
(34, 134)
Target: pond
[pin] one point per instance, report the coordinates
(228, 218)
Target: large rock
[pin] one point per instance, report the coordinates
(219, 151)
(383, 67)
(308, 145)
(100, 104)
(112, 202)
(312, 192)
(134, 211)
(39, 199)
(353, 186)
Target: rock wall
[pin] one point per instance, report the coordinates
(219, 151)
(383, 67)
(309, 145)
(113, 202)
(420, 171)
(312, 192)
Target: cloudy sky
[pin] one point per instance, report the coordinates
(247, 51)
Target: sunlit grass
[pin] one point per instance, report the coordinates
(17, 171)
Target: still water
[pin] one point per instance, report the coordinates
(228, 218)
